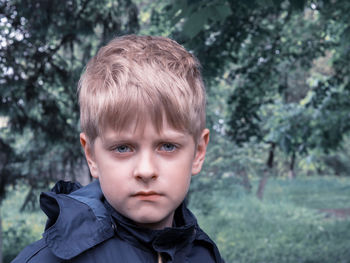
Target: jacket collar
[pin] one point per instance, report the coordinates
(167, 240)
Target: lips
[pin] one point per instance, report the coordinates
(147, 195)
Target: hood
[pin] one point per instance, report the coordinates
(77, 218)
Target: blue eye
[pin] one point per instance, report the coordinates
(123, 149)
(168, 147)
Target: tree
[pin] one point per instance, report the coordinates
(43, 48)
(267, 50)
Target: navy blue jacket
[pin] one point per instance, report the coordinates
(83, 227)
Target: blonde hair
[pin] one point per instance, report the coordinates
(134, 77)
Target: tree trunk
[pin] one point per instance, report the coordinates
(4, 153)
(292, 174)
(261, 188)
(246, 182)
(269, 162)
(269, 166)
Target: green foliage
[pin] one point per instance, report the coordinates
(152, 17)
(19, 228)
(45, 45)
(198, 15)
(16, 237)
(286, 227)
(272, 80)
(310, 192)
(268, 52)
(277, 72)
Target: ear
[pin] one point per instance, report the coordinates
(201, 149)
(89, 154)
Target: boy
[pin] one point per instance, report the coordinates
(142, 113)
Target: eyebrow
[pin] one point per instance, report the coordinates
(120, 137)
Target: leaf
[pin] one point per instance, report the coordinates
(221, 12)
(345, 39)
(195, 23)
(298, 4)
(177, 11)
(285, 144)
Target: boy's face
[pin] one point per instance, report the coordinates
(145, 175)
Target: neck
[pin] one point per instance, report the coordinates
(166, 222)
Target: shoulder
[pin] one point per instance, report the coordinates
(77, 222)
(112, 250)
(35, 253)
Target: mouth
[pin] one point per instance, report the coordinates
(147, 195)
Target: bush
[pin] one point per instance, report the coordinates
(19, 228)
(16, 236)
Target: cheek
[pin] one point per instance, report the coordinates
(113, 179)
(111, 168)
(179, 177)
(181, 166)
(115, 192)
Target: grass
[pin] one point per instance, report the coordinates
(311, 192)
(286, 226)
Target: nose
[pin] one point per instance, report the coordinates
(145, 169)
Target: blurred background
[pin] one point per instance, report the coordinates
(276, 183)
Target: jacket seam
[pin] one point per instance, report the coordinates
(40, 248)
